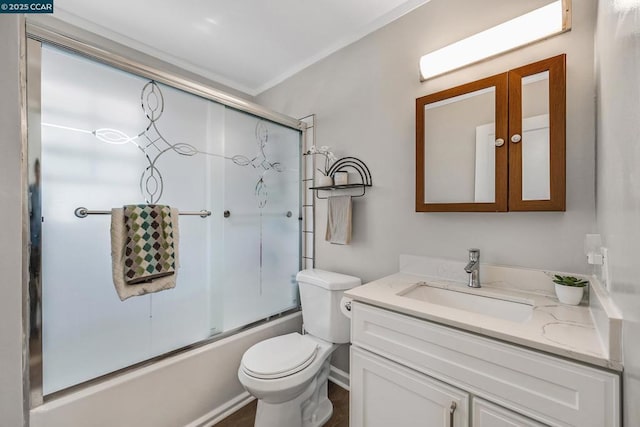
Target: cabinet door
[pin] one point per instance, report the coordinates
(384, 394)
(537, 119)
(461, 157)
(487, 414)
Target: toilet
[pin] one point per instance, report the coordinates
(288, 374)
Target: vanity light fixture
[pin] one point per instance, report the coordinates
(554, 18)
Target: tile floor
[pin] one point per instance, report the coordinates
(340, 418)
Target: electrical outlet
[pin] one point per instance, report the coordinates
(604, 272)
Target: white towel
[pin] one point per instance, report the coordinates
(339, 220)
(118, 239)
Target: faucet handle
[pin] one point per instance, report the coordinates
(474, 253)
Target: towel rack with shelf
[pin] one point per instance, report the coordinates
(344, 165)
(341, 187)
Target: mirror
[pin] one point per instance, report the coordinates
(536, 182)
(495, 144)
(459, 135)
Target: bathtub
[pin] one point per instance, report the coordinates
(196, 388)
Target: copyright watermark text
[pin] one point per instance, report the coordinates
(26, 6)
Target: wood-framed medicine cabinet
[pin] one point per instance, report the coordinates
(496, 144)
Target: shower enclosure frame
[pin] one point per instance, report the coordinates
(36, 34)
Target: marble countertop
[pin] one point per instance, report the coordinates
(564, 330)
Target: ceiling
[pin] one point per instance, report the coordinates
(248, 45)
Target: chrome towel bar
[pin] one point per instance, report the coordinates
(84, 212)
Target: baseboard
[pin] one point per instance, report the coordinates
(222, 412)
(339, 377)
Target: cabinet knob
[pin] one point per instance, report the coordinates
(516, 138)
(499, 142)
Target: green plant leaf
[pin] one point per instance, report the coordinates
(570, 281)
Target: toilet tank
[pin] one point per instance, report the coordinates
(320, 295)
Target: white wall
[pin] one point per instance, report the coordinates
(11, 400)
(618, 171)
(364, 100)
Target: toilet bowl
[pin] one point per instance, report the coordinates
(288, 374)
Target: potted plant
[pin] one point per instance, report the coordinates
(569, 289)
(324, 180)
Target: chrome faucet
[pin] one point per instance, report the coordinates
(473, 268)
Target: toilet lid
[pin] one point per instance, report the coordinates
(279, 356)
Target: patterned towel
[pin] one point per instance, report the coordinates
(118, 238)
(149, 251)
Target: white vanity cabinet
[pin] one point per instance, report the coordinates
(407, 371)
(389, 394)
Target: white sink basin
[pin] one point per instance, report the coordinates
(515, 311)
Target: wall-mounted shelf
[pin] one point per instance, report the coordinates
(341, 187)
(344, 165)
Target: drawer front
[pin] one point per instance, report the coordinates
(384, 394)
(554, 391)
(486, 414)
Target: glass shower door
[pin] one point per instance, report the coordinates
(111, 138)
(262, 229)
(89, 110)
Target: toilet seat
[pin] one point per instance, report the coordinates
(279, 357)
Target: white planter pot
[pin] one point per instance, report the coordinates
(324, 181)
(571, 295)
